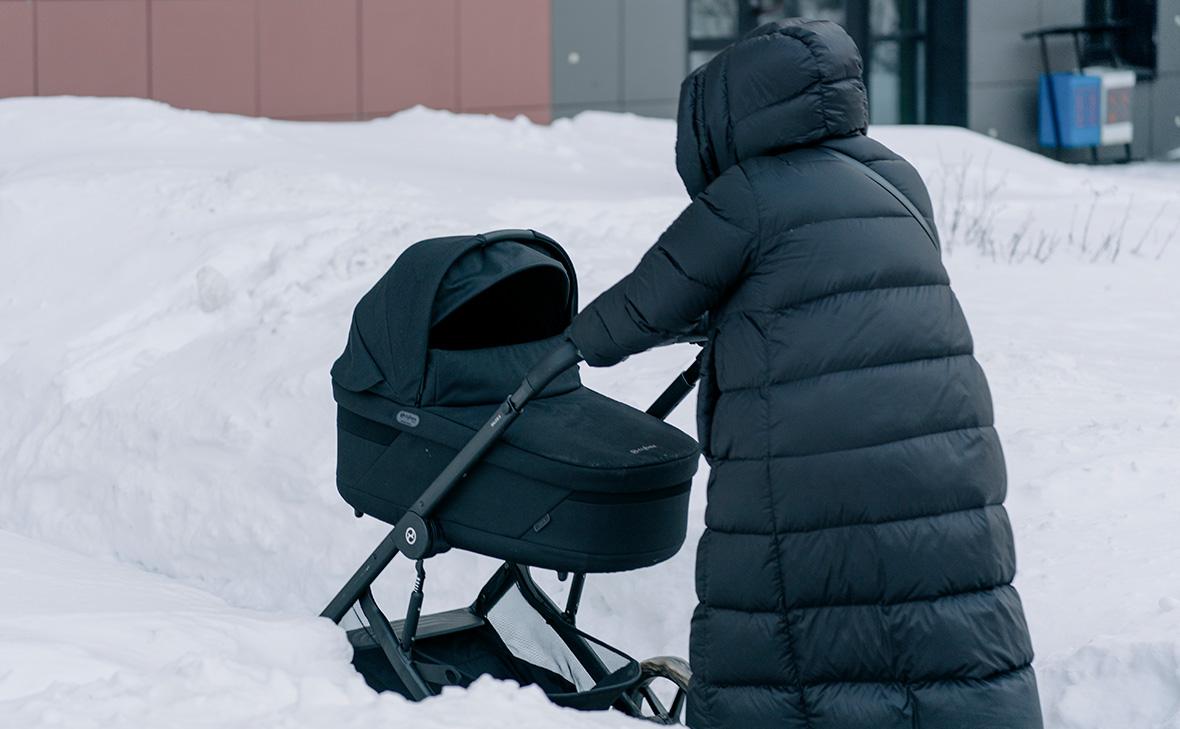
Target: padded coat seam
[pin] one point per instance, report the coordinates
(849, 370)
(775, 237)
(851, 525)
(730, 147)
(717, 211)
(793, 656)
(835, 294)
(927, 599)
(932, 681)
(743, 459)
(684, 274)
(815, 88)
(823, 107)
(757, 254)
(883, 682)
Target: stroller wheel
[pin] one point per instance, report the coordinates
(665, 705)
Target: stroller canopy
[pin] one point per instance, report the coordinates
(455, 293)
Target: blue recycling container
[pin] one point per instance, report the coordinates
(1079, 102)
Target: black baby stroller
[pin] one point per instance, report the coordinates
(444, 354)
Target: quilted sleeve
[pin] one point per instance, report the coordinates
(690, 270)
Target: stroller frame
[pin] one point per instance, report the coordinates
(628, 689)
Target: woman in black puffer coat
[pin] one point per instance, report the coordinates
(856, 567)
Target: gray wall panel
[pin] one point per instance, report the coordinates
(587, 51)
(665, 109)
(995, 50)
(1141, 110)
(1168, 37)
(1165, 130)
(654, 49)
(1059, 12)
(1009, 110)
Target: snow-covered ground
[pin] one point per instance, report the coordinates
(174, 286)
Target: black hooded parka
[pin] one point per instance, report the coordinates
(855, 571)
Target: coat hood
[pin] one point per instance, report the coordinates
(785, 84)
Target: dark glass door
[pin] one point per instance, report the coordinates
(914, 50)
(714, 24)
(892, 38)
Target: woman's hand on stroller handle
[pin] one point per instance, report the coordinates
(566, 355)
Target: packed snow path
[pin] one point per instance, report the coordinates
(174, 286)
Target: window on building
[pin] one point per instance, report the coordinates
(896, 62)
(1134, 43)
(833, 10)
(895, 37)
(714, 24)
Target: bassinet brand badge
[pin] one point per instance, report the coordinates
(641, 449)
(408, 419)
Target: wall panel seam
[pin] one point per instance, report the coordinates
(458, 80)
(257, 58)
(359, 70)
(36, 65)
(149, 55)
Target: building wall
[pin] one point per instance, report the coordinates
(1165, 91)
(619, 55)
(357, 59)
(290, 59)
(1003, 71)
(352, 59)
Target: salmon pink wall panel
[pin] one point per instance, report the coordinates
(16, 49)
(504, 55)
(408, 54)
(92, 47)
(203, 54)
(308, 57)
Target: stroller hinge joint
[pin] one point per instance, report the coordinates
(414, 536)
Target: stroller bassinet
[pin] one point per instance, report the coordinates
(581, 483)
(444, 354)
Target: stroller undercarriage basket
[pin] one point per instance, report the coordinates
(513, 631)
(435, 439)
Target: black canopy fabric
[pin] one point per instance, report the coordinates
(390, 335)
(482, 267)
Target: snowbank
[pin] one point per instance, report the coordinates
(91, 644)
(174, 286)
